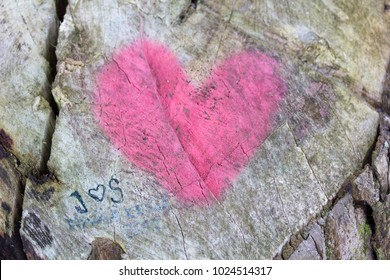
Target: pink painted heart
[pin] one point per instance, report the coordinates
(195, 141)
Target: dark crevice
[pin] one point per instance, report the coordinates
(53, 72)
(368, 212)
(188, 12)
(12, 247)
(304, 232)
(17, 220)
(61, 9)
(345, 189)
(386, 89)
(194, 3)
(375, 104)
(52, 58)
(46, 146)
(368, 157)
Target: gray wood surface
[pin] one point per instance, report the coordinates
(332, 56)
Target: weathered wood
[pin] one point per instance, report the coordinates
(345, 237)
(341, 36)
(355, 229)
(330, 57)
(313, 246)
(28, 30)
(379, 201)
(105, 249)
(11, 185)
(344, 233)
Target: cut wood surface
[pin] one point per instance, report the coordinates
(204, 129)
(28, 28)
(27, 32)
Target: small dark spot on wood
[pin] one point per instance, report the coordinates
(313, 109)
(182, 17)
(6, 207)
(387, 8)
(7, 225)
(38, 231)
(39, 180)
(188, 12)
(46, 195)
(194, 4)
(29, 250)
(3, 153)
(105, 249)
(4, 177)
(5, 140)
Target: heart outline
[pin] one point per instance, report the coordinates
(92, 192)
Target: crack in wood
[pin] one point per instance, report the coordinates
(182, 235)
(307, 160)
(282, 204)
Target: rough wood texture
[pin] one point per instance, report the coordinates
(10, 207)
(345, 239)
(28, 29)
(345, 233)
(331, 58)
(357, 225)
(379, 201)
(28, 32)
(105, 249)
(313, 247)
(328, 35)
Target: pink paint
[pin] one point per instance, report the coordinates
(193, 140)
